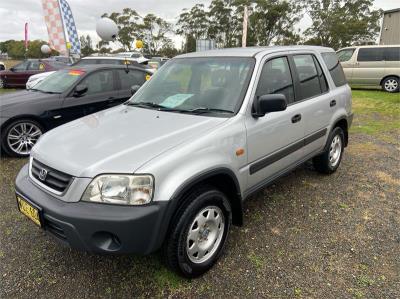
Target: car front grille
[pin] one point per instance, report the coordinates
(51, 178)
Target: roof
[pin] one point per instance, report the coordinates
(392, 10)
(252, 51)
(92, 67)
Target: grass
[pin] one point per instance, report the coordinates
(375, 112)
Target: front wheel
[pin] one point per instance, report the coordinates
(198, 235)
(20, 136)
(328, 162)
(391, 84)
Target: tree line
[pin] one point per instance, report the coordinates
(333, 23)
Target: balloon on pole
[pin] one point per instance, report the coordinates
(107, 29)
(45, 49)
(139, 44)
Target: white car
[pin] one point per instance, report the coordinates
(133, 56)
(35, 79)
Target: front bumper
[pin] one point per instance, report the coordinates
(95, 227)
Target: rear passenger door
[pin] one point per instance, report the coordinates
(369, 67)
(318, 105)
(126, 79)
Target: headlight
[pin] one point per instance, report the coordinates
(120, 189)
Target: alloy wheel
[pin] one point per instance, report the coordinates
(391, 85)
(205, 234)
(22, 137)
(335, 151)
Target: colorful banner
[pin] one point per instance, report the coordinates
(71, 28)
(55, 28)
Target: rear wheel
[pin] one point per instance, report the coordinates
(20, 136)
(199, 233)
(391, 84)
(328, 162)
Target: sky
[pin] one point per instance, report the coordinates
(14, 14)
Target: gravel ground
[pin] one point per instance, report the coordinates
(306, 236)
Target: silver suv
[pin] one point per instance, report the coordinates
(170, 168)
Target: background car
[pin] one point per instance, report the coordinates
(133, 55)
(18, 75)
(36, 79)
(372, 66)
(157, 62)
(91, 60)
(62, 97)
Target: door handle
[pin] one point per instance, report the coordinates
(296, 118)
(332, 103)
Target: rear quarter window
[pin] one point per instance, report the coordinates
(335, 69)
(392, 54)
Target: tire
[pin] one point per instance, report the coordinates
(14, 135)
(391, 84)
(328, 162)
(203, 206)
(2, 84)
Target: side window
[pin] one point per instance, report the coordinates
(370, 54)
(308, 75)
(134, 77)
(101, 81)
(335, 68)
(392, 54)
(34, 66)
(276, 79)
(22, 66)
(345, 55)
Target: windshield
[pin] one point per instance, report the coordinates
(59, 81)
(210, 85)
(345, 55)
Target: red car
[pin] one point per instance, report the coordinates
(18, 75)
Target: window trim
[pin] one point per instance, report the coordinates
(298, 79)
(295, 92)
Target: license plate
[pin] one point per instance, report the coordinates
(29, 210)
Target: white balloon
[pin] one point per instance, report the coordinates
(45, 49)
(107, 29)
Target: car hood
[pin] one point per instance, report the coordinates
(40, 75)
(14, 99)
(117, 140)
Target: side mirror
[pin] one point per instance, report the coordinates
(80, 89)
(269, 103)
(134, 89)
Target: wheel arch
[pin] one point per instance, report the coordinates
(21, 117)
(222, 178)
(343, 124)
(387, 76)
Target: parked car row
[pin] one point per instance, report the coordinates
(63, 96)
(372, 66)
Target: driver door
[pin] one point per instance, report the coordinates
(16, 75)
(101, 89)
(275, 140)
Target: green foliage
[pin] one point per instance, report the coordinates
(86, 45)
(152, 30)
(341, 23)
(16, 49)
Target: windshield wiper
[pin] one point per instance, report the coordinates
(207, 110)
(151, 105)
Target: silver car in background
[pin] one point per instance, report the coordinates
(170, 168)
(372, 66)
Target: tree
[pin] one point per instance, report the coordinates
(154, 32)
(272, 21)
(16, 49)
(340, 23)
(193, 23)
(86, 45)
